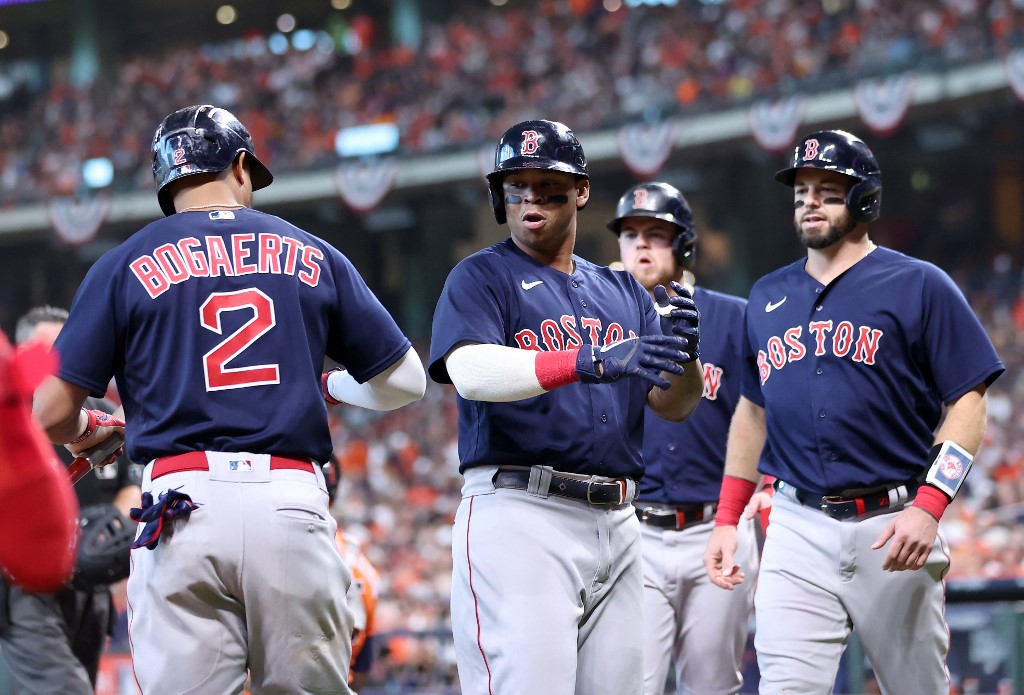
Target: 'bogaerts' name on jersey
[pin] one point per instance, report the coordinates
(858, 343)
(232, 255)
(563, 335)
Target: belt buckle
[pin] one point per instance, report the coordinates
(618, 486)
(830, 499)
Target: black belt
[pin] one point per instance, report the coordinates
(597, 493)
(848, 506)
(677, 517)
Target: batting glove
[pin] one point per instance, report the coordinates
(641, 358)
(679, 316)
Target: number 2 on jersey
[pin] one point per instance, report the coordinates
(219, 376)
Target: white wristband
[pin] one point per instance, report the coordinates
(950, 465)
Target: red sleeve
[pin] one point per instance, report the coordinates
(40, 512)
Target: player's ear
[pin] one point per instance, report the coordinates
(582, 192)
(240, 169)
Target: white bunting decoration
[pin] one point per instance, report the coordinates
(363, 184)
(645, 147)
(882, 103)
(77, 222)
(774, 124)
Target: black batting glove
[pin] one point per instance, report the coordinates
(640, 358)
(679, 316)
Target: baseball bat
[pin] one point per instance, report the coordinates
(93, 456)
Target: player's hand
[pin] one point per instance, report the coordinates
(96, 427)
(761, 505)
(913, 533)
(641, 358)
(679, 316)
(718, 558)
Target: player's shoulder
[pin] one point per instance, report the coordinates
(898, 266)
(720, 300)
(489, 264)
(779, 277)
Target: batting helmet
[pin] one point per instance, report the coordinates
(534, 145)
(200, 140)
(842, 152)
(663, 202)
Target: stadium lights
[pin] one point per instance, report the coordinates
(341, 4)
(5, 40)
(97, 172)
(285, 23)
(226, 14)
(612, 5)
(366, 140)
(654, 3)
(498, 3)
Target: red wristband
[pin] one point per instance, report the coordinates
(331, 400)
(932, 500)
(556, 368)
(733, 498)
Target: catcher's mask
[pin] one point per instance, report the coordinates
(104, 546)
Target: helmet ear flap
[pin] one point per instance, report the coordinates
(494, 194)
(684, 249)
(864, 200)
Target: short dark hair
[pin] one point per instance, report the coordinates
(40, 314)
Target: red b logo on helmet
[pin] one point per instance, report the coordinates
(529, 142)
(640, 198)
(810, 149)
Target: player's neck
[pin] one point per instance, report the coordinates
(207, 197)
(825, 265)
(559, 259)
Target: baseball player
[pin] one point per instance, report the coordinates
(215, 321)
(553, 359)
(688, 620)
(37, 536)
(854, 356)
(52, 642)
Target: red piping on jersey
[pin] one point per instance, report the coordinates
(476, 602)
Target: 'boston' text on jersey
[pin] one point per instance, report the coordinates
(843, 340)
(238, 254)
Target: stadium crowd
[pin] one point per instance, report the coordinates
(474, 74)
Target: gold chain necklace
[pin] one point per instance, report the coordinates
(211, 206)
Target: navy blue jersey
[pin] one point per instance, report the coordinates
(215, 325)
(685, 459)
(853, 375)
(501, 296)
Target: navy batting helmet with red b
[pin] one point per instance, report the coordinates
(535, 144)
(199, 140)
(664, 202)
(844, 153)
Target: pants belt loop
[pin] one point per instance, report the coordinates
(540, 481)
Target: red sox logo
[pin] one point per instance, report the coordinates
(810, 149)
(640, 198)
(951, 467)
(530, 142)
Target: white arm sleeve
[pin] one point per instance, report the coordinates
(400, 384)
(493, 373)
